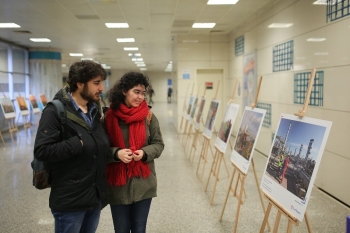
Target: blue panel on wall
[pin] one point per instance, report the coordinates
(44, 55)
(337, 9)
(267, 120)
(239, 46)
(301, 82)
(170, 82)
(282, 56)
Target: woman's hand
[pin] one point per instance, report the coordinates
(138, 154)
(125, 155)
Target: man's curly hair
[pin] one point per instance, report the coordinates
(124, 84)
(83, 72)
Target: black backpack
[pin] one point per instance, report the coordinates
(40, 173)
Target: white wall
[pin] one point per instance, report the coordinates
(309, 21)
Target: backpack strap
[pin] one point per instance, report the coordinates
(60, 111)
(149, 117)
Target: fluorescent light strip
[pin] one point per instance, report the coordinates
(203, 25)
(76, 54)
(117, 25)
(131, 48)
(316, 39)
(9, 25)
(140, 65)
(280, 25)
(122, 40)
(134, 54)
(40, 40)
(222, 2)
(136, 59)
(324, 2)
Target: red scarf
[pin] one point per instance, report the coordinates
(119, 172)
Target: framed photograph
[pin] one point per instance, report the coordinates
(22, 104)
(43, 100)
(199, 114)
(293, 161)
(7, 108)
(34, 104)
(211, 117)
(189, 107)
(193, 110)
(226, 126)
(247, 136)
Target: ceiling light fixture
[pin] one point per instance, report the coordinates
(280, 25)
(122, 40)
(316, 39)
(190, 41)
(9, 25)
(324, 2)
(117, 25)
(140, 65)
(134, 54)
(131, 48)
(40, 40)
(222, 2)
(76, 54)
(136, 59)
(203, 25)
(143, 68)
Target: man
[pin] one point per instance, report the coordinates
(170, 91)
(75, 153)
(151, 93)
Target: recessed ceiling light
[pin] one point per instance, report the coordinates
(134, 54)
(139, 62)
(324, 2)
(76, 54)
(130, 48)
(136, 59)
(87, 58)
(280, 25)
(316, 39)
(203, 25)
(143, 68)
(117, 25)
(121, 40)
(64, 65)
(190, 41)
(9, 25)
(222, 2)
(141, 65)
(321, 54)
(40, 40)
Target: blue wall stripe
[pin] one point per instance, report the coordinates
(47, 55)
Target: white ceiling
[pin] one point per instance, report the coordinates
(78, 26)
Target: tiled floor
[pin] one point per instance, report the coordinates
(182, 204)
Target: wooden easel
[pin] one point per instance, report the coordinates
(25, 118)
(189, 135)
(206, 145)
(182, 118)
(241, 178)
(12, 126)
(186, 124)
(280, 209)
(218, 157)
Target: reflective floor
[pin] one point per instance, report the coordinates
(182, 204)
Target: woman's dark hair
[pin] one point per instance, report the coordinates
(83, 72)
(124, 84)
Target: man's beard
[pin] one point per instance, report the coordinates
(86, 95)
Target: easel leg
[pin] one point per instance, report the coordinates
(307, 221)
(277, 222)
(2, 139)
(205, 157)
(239, 205)
(267, 213)
(290, 225)
(212, 170)
(217, 168)
(227, 194)
(259, 191)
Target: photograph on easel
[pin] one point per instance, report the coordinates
(211, 117)
(199, 114)
(293, 160)
(226, 126)
(189, 107)
(247, 136)
(22, 103)
(194, 107)
(34, 104)
(43, 100)
(7, 108)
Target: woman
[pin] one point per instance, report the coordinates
(136, 142)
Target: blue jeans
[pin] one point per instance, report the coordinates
(131, 217)
(74, 222)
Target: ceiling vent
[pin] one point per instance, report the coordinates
(183, 23)
(87, 16)
(23, 32)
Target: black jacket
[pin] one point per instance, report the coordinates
(77, 172)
